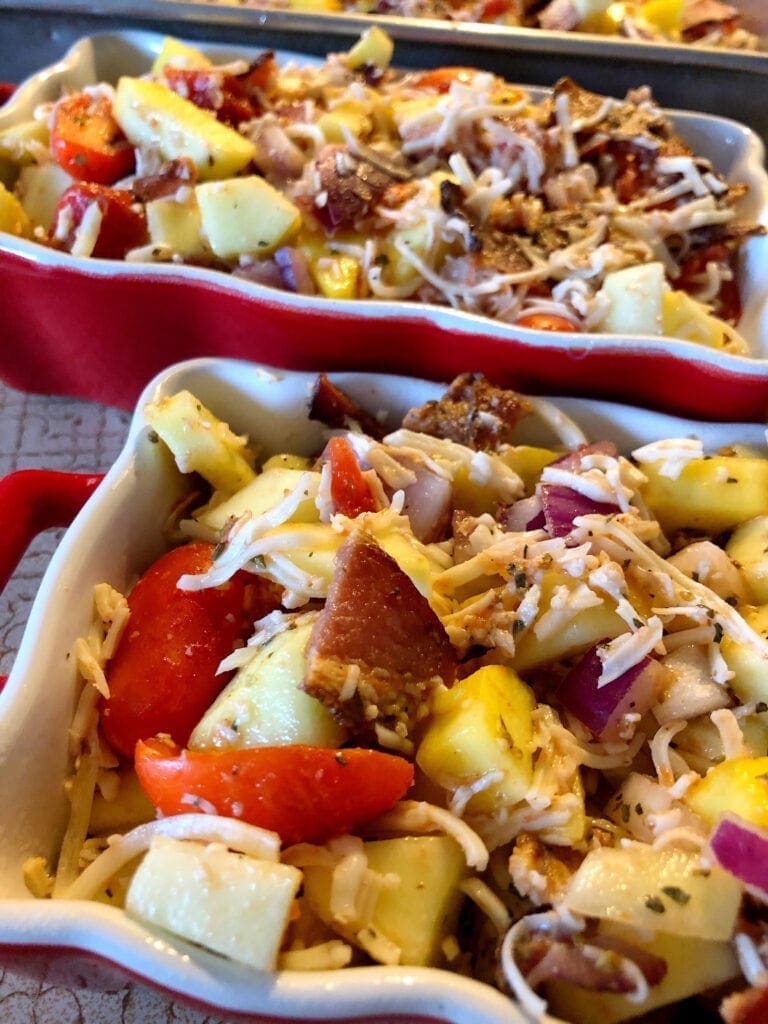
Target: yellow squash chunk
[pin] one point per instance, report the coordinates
(179, 55)
(13, 217)
(656, 888)
(747, 547)
(373, 47)
(418, 910)
(261, 494)
(712, 495)
(338, 276)
(315, 6)
(750, 671)
(588, 626)
(664, 14)
(528, 462)
(245, 215)
(739, 786)
(200, 442)
(692, 967)
(480, 728)
(263, 705)
(152, 115)
(683, 317)
(346, 116)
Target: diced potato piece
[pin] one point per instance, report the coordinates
(739, 786)
(417, 912)
(309, 547)
(481, 727)
(200, 442)
(179, 55)
(420, 239)
(373, 47)
(586, 627)
(701, 738)
(748, 548)
(711, 494)
(13, 217)
(128, 808)
(403, 110)
(655, 887)
(228, 902)
(683, 317)
(39, 188)
(693, 966)
(264, 705)
(245, 215)
(261, 494)
(19, 146)
(349, 115)
(528, 462)
(634, 300)
(750, 671)
(152, 115)
(176, 224)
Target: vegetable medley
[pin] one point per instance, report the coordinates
(572, 212)
(692, 22)
(438, 697)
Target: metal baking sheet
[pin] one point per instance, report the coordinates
(723, 82)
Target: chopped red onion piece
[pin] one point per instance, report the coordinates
(602, 708)
(525, 514)
(742, 849)
(561, 505)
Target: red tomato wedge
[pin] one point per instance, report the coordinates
(350, 492)
(162, 677)
(122, 227)
(305, 794)
(441, 79)
(87, 141)
(546, 322)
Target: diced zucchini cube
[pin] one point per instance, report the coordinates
(245, 215)
(154, 116)
(228, 902)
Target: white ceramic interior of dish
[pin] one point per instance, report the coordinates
(115, 537)
(734, 150)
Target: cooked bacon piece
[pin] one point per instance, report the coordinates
(700, 15)
(592, 962)
(331, 406)
(472, 412)
(172, 176)
(747, 1007)
(377, 649)
(349, 187)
